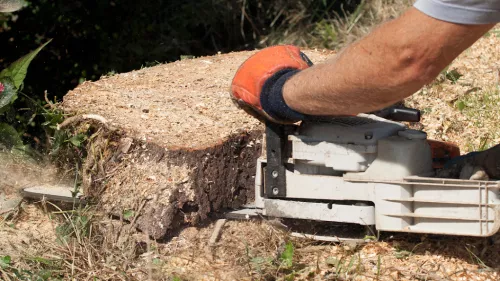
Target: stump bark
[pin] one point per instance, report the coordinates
(178, 149)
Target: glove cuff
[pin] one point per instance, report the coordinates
(272, 101)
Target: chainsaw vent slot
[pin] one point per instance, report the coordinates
(351, 121)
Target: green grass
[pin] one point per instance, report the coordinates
(490, 33)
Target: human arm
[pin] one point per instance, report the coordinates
(388, 65)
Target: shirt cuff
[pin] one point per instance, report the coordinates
(457, 14)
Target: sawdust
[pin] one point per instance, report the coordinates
(17, 171)
(442, 118)
(246, 251)
(28, 235)
(184, 104)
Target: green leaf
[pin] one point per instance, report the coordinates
(9, 136)
(370, 237)
(128, 214)
(77, 140)
(5, 261)
(460, 105)
(287, 255)
(453, 76)
(17, 70)
(43, 261)
(402, 254)
(7, 95)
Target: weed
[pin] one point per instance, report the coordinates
(379, 266)
(483, 143)
(475, 259)
(447, 75)
(11, 84)
(453, 76)
(45, 269)
(287, 255)
(5, 261)
(403, 254)
(128, 214)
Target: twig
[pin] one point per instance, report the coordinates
(5, 275)
(78, 118)
(498, 79)
(216, 233)
(49, 103)
(138, 211)
(7, 211)
(150, 257)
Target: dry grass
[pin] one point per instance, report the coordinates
(335, 30)
(46, 242)
(79, 245)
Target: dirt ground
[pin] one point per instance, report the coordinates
(462, 110)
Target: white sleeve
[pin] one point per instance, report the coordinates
(461, 11)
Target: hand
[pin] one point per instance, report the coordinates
(257, 86)
(482, 165)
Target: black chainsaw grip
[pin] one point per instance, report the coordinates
(399, 114)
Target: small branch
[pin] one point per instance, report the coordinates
(216, 233)
(79, 118)
(138, 212)
(49, 103)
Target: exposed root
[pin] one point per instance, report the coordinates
(79, 118)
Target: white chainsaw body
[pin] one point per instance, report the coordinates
(370, 171)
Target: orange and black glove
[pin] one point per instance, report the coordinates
(258, 84)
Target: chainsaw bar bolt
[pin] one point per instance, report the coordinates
(275, 174)
(276, 191)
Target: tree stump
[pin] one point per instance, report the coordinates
(173, 147)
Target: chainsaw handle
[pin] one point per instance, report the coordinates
(399, 114)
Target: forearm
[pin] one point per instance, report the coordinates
(391, 63)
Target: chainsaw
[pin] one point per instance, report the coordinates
(369, 170)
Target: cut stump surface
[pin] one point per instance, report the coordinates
(183, 149)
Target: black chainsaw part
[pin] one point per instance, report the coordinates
(402, 114)
(275, 171)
